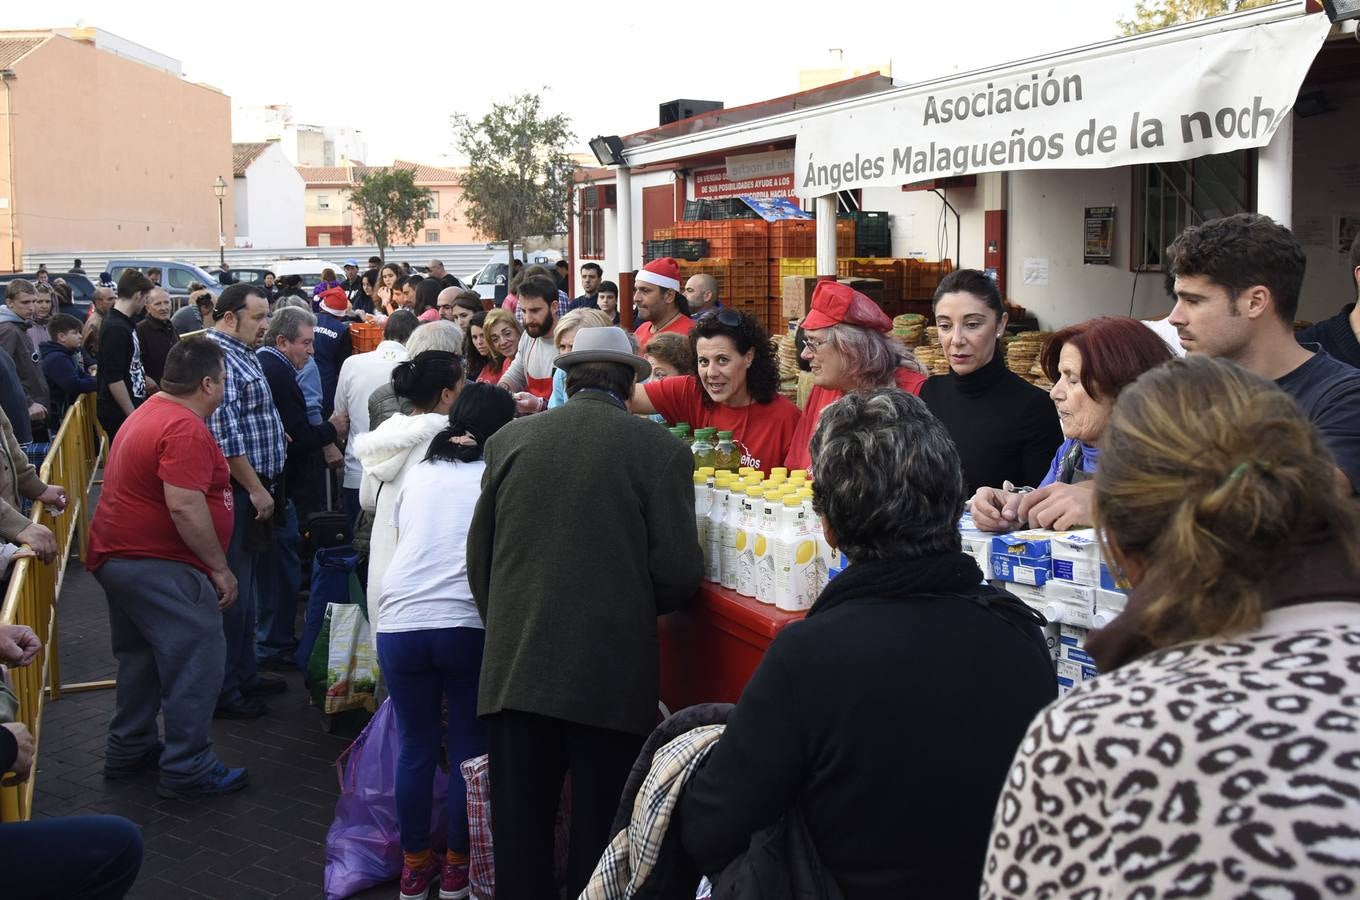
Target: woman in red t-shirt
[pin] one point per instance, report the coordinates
(501, 333)
(736, 390)
(848, 349)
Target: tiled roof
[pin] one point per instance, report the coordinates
(13, 48)
(242, 155)
(345, 175)
(326, 174)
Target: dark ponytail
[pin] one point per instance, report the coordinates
(423, 379)
(480, 411)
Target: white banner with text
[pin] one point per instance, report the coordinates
(1116, 105)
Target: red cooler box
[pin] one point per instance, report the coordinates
(709, 651)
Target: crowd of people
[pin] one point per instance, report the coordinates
(906, 739)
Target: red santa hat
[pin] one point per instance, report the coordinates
(334, 301)
(664, 273)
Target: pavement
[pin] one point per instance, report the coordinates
(265, 841)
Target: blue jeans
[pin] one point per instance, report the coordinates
(238, 620)
(420, 667)
(278, 579)
(91, 857)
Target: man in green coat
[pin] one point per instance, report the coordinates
(570, 677)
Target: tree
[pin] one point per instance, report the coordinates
(519, 175)
(392, 207)
(1150, 15)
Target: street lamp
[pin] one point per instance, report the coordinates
(220, 189)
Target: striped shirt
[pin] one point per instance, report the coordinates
(247, 423)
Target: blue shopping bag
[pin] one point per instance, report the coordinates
(332, 574)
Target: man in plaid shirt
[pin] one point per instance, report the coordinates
(249, 431)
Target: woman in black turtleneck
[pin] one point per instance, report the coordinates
(1005, 429)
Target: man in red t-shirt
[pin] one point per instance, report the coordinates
(158, 548)
(656, 293)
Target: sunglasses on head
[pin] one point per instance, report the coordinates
(729, 317)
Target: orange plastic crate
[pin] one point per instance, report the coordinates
(365, 336)
(737, 239)
(663, 234)
(748, 281)
(720, 269)
(688, 231)
(793, 237)
(845, 237)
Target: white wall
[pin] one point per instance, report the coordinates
(276, 202)
(1326, 186)
(1046, 222)
(916, 224)
(240, 205)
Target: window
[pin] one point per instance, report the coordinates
(1169, 197)
(323, 201)
(432, 236)
(592, 234)
(180, 279)
(432, 210)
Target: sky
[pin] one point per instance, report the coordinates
(398, 69)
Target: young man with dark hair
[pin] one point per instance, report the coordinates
(16, 315)
(530, 376)
(1237, 292)
(1340, 334)
(607, 300)
(591, 273)
(122, 380)
(158, 549)
(62, 365)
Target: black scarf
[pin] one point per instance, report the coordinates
(951, 572)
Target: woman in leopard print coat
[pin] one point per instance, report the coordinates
(1218, 755)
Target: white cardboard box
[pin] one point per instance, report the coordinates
(1076, 557)
(978, 544)
(1076, 602)
(1074, 672)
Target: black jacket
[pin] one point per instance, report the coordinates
(1336, 336)
(887, 720)
(306, 438)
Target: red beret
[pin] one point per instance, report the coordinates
(834, 303)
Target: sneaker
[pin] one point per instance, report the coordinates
(415, 883)
(149, 761)
(453, 881)
(220, 780)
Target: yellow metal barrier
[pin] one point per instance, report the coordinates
(31, 598)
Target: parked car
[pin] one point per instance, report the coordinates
(175, 276)
(82, 290)
(492, 274)
(308, 269)
(243, 276)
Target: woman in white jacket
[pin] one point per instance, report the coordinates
(430, 382)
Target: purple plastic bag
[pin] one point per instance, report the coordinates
(363, 847)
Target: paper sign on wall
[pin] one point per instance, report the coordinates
(1036, 271)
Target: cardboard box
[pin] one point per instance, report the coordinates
(1108, 582)
(1051, 639)
(796, 296)
(1074, 672)
(1023, 557)
(1077, 602)
(1072, 635)
(1076, 557)
(1030, 595)
(978, 545)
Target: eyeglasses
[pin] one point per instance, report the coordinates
(814, 345)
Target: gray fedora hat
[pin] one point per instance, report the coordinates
(604, 345)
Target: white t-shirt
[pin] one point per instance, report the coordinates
(426, 584)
